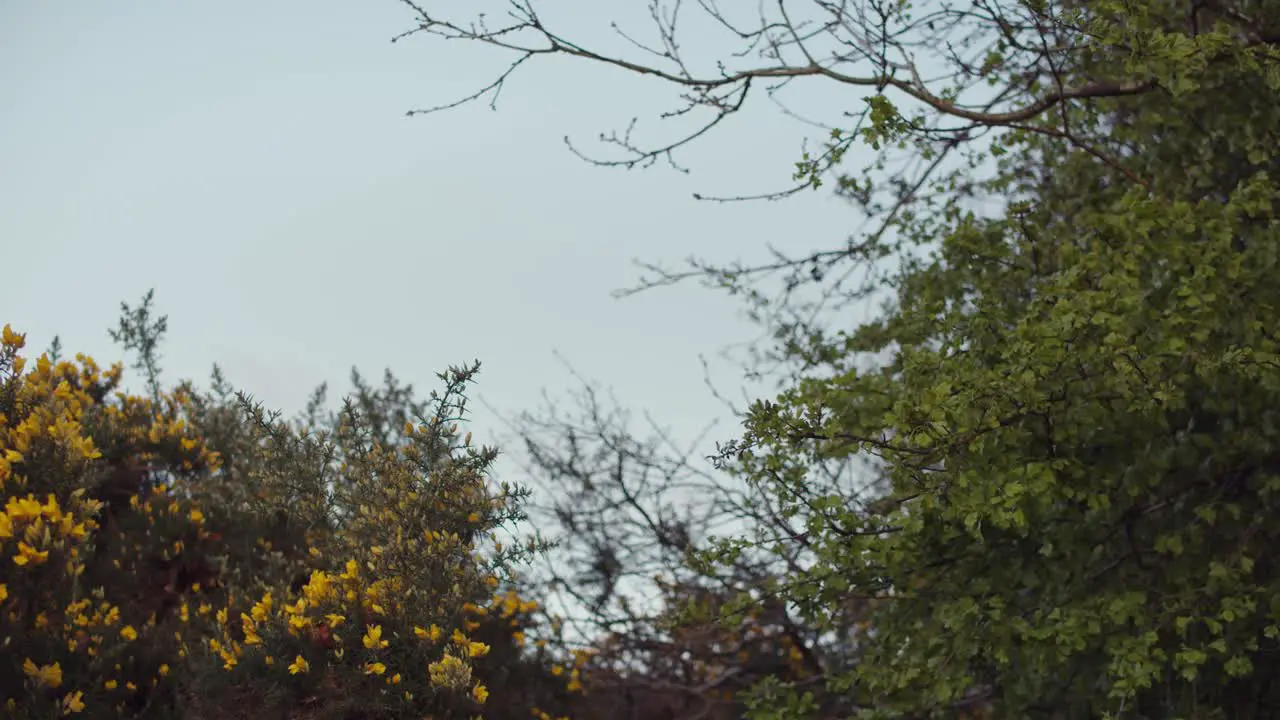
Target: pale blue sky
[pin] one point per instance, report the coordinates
(252, 162)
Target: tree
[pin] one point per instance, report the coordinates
(1071, 396)
(631, 512)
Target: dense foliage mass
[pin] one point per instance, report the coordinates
(1079, 417)
(1067, 408)
(184, 555)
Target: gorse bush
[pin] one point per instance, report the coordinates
(188, 555)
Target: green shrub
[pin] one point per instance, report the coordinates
(186, 555)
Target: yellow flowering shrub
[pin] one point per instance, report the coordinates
(187, 555)
(399, 604)
(92, 541)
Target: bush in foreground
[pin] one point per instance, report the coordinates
(186, 555)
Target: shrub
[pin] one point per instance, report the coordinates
(188, 555)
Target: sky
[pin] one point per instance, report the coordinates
(253, 163)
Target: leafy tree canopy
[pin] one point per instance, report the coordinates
(1071, 398)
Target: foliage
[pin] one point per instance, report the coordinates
(1077, 413)
(1070, 396)
(188, 555)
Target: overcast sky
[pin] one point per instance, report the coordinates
(252, 162)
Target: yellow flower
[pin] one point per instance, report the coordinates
(28, 555)
(373, 638)
(197, 517)
(299, 665)
(318, 587)
(68, 527)
(480, 693)
(477, 649)
(261, 610)
(49, 675)
(449, 672)
(13, 339)
(4, 592)
(27, 508)
(164, 670)
(73, 702)
(128, 633)
(394, 679)
(110, 684)
(376, 668)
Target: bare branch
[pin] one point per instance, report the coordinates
(847, 24)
